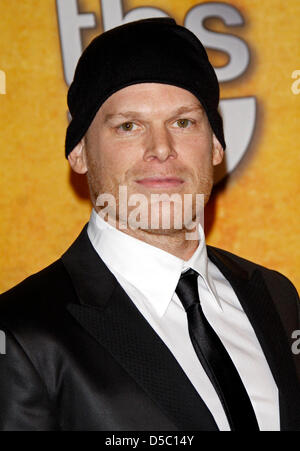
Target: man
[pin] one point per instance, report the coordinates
(136, 326)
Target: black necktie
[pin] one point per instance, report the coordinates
(215, 359)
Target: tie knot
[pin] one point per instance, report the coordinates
(187, 288)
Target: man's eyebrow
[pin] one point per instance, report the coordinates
(180, 110)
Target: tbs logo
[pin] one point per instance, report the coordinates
(238, 113)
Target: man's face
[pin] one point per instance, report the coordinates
(152, 138)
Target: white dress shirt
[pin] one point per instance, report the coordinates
(150, 275)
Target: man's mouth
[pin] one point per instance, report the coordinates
(160, 182)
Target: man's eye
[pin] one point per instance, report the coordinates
(127, 126)
(183, 123)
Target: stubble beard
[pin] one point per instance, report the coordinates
(96, 187)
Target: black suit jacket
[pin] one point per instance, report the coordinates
(80, 356)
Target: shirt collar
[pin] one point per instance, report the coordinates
(132, 259)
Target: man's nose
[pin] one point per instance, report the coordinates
(159, 144)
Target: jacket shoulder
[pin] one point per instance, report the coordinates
(250, 266)
(281, 289)
(42, 293)
(228, 258)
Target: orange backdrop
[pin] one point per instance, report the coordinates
(254, 212)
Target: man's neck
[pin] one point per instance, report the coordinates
(173, 242)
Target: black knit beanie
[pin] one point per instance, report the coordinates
(150, 50)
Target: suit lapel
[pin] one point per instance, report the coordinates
(257, 303)
(107, 313)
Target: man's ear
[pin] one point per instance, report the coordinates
(77, 158)
(217, 152)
